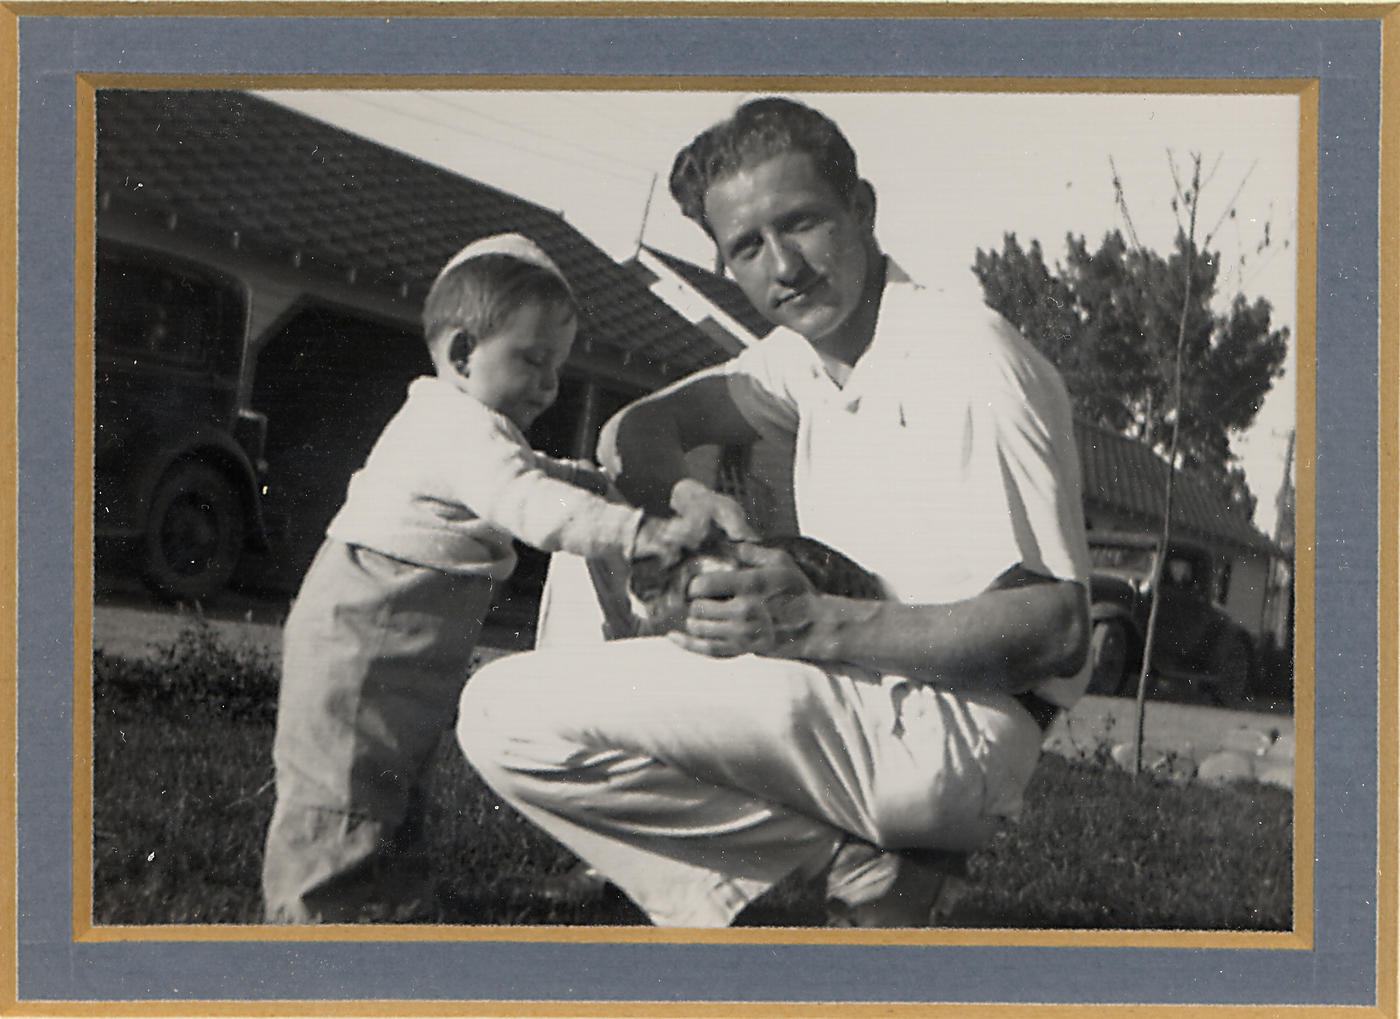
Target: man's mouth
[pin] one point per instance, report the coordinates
(797, 293)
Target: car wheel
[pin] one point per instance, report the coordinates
(1231, 668)
(194, 533)
(1108, 647)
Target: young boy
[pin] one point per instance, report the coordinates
(380, 637)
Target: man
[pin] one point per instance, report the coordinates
(868, 742)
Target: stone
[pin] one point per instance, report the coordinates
(1225, 766)
(1154, 759)
(1278, 773)
(1247, 741)
(1284, 748)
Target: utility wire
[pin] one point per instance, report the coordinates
(516, 146)
(543, 135)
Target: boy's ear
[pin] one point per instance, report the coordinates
(459, 350)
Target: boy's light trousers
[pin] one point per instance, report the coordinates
(374, 656)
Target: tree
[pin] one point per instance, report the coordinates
(1109, 320)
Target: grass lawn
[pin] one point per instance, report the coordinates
(182, 793)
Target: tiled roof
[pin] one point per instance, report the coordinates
(1126, 477)
(316, 198)
(721, 291)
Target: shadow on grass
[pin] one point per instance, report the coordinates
(182, 786)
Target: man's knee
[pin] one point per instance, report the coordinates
(504, 699)
(480, 705)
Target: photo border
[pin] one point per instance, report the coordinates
(1300, 939)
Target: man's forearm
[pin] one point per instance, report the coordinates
(641, 449)
(1006, 640)
(644, 445)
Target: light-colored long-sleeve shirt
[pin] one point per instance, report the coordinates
(450, 482)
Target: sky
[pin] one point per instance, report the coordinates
(953, 172)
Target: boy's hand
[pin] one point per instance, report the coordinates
(664, 539)
(669, 539)
(702, 507)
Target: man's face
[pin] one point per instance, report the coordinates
(800, 253)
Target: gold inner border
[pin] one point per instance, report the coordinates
(1388, 596)
(1301, 937)
(687, 1010)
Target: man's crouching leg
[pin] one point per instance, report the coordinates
(631, 755)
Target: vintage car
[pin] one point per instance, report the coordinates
(178, 463)
(1194, 640)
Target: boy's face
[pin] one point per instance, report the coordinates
(799, 252)
(515, 370)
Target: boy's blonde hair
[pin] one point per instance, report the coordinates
(482, 285)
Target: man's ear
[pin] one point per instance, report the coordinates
(863, 203)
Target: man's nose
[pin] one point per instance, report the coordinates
(788, 263)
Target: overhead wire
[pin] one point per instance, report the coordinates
(555, 139)
(516, 146)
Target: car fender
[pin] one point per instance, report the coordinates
(1101, 610)
(218, 449)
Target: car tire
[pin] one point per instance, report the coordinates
(1109, 651)
(194, 533)
(1232, 668)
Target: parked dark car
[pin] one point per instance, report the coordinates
(177, 461)
(1194, 639)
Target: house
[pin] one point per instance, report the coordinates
(711, 301)
(1125, 490)
(260, 275)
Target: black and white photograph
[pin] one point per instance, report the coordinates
(687, 509)
(698, 506)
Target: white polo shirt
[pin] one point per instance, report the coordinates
(946, 458)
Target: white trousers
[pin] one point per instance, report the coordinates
(695, 784)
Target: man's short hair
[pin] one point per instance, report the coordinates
(473, 298)
(760, 130)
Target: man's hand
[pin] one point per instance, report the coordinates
(700, 507)
(765, 606)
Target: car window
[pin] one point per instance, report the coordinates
(156, 311)
(1222, 582)
(1180, 572)
(1121, 557)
